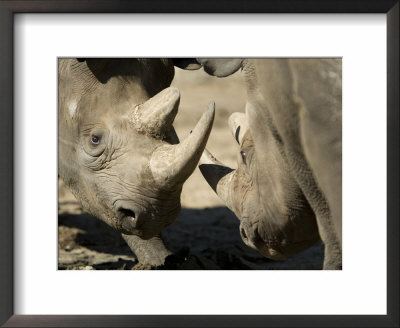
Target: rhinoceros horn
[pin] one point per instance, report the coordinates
(238, 125)
(172, 164)
(218, 176)
(155, 116)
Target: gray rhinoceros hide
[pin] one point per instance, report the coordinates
(116, 145)
(286, 190)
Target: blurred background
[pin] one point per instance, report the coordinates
(197, 90)
(205, 234)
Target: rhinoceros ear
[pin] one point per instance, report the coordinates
(220, 67)
(156, 115)
(190, 64)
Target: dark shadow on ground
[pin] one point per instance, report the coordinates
(201, 239)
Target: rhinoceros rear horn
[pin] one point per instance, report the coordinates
(238, 125)
(156, 115)
(171, 165)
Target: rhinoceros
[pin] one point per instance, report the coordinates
(286, 190)
(118, 151)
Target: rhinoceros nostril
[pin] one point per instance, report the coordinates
(126, 212)
(128, 220)
(243, 233)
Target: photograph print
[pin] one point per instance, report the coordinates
(200, 164)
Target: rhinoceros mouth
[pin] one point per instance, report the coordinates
(252, 238)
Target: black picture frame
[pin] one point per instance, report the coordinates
(10, 7)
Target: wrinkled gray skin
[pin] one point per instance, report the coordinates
(287, 188)
(117, 149)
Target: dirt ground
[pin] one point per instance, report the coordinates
(205, 234)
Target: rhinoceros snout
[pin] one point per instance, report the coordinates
(251, 238)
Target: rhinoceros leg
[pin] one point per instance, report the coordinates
(150, 253)
(333, 256)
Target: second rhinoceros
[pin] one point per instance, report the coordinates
(287, 189)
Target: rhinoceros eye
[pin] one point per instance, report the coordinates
(243, 154)
(94, 139)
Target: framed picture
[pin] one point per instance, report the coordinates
(36, 35)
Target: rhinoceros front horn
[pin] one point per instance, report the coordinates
(218, 176)
(156, 115)
(171, 165)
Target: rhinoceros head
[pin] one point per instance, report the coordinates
(275, 218)
(117, 153)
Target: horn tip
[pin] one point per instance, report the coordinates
(206, 158)
(211, 109)
(234, 120)
(173, 89)
(237, 115)
(211, 105)
(173, 92)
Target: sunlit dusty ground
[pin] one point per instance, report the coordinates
(206, 232)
